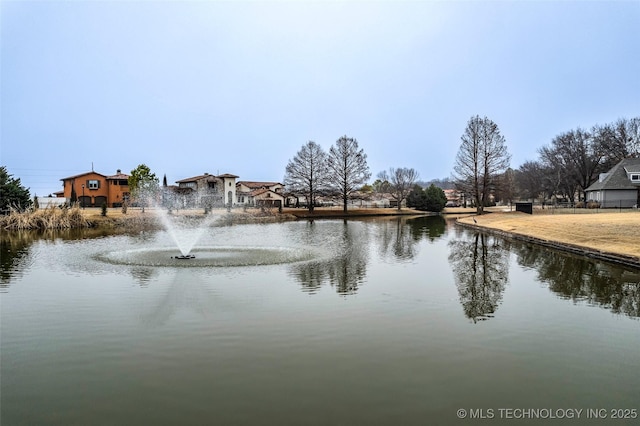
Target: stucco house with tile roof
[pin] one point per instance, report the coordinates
(92, 189)
(208, 190)
(620, 187)
(251, 193)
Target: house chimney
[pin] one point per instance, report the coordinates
(118, 171)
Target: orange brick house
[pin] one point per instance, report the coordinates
(92, 189)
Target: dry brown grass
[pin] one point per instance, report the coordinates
(136, 219)
(49, 218)
(607, 232)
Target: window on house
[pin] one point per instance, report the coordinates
(635, 178)
(93, 184)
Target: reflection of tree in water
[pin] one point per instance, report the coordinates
(350, 268)
(310, 275)
(15, 255)
(345, 271)
(399, 235)
(481, 268)
(429, 227)
(397, 239)
(580, 279)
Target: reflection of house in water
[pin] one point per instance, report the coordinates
(205, 190)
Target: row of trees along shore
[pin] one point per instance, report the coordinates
(573, 161)
(564, 170)
(342, 171)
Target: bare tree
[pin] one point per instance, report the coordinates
(557, 175)
(529, 179)
(628, 131)
(580, 155)
(481, 158)
(507, 188)
(401, 182)
(633, 141)
(611, 140)
(306, 173)
(347, 168)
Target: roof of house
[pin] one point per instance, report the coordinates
(633, 167)
(250, 184)
(617, 177)
(176, 189)
(261, 191)
(257, 192)
(196, 178)
(207, 176)
(83, 174)
(118, 176)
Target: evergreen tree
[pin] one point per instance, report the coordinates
(74, 196)
(12, 193)
(435, 199)
(417, 198)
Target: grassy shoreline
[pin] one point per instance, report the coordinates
(611, 236)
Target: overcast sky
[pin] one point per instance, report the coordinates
(238, 87)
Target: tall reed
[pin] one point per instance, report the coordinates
(50, 218)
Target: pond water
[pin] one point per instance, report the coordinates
(395, 321)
